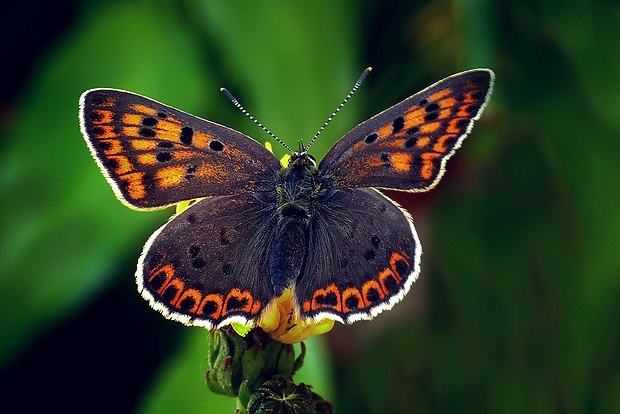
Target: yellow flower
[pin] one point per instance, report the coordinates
(283, 324)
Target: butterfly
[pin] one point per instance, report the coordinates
(325, 232)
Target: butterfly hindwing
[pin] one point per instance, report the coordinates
(207, 266)
(154, 155)
(406, 146)
(363, 255)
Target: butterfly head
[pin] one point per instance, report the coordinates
(301, 159)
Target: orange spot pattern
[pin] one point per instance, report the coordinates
(132, 119)
(147, 159)
(401, 162)
(428, 128)
(113, 146)
(348, 293)
(423, 141)
(143, 144)
(131, 132)
(331, 298)
(194, 302)
(170, 176)
(106, 132)
(428, 166)
(169, 130)
(104, 117)
(135, 185)
(440, 94)
(440, 145)
(201, 140)
(124, 166)
(143, 109)
(447, 103)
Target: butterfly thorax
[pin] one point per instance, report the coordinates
(298, 186)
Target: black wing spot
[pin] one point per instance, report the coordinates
(187, 135)
(352, 302)
(194, 251)
(147, 132)
(235, 304)
(431, 116)
(96, 117)
(227, 268)
(210, 307)
(411, 142)
(375, 241)
(462, 122)
(111, 163)
(163, 156)
(104, 145)
(191, 219)
(216, 145)
(149, 121)
(432, 107)
(398, 124)
(385, 157)
(170, 293)
(402, 268)
(372, 295)
(330, 299)
(390, 285)
(186, 304)
(423, 102)
(369, 255)
(413, 130)
(162, 115)
(198, 263)
(371, 138)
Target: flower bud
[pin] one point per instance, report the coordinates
(282, 395)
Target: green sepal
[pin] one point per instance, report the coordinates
(245, 392)
(272, 355)
(286, 361)
(225, 353)
(253, 365)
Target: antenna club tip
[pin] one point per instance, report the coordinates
(369, 68)
(222, 89)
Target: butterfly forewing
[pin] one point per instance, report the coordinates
(406, 146)
(154, 155)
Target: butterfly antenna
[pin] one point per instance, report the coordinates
(343, 103)
(235, 102)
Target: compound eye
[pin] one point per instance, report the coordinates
(312, 160)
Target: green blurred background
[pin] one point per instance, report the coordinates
(517, 306)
